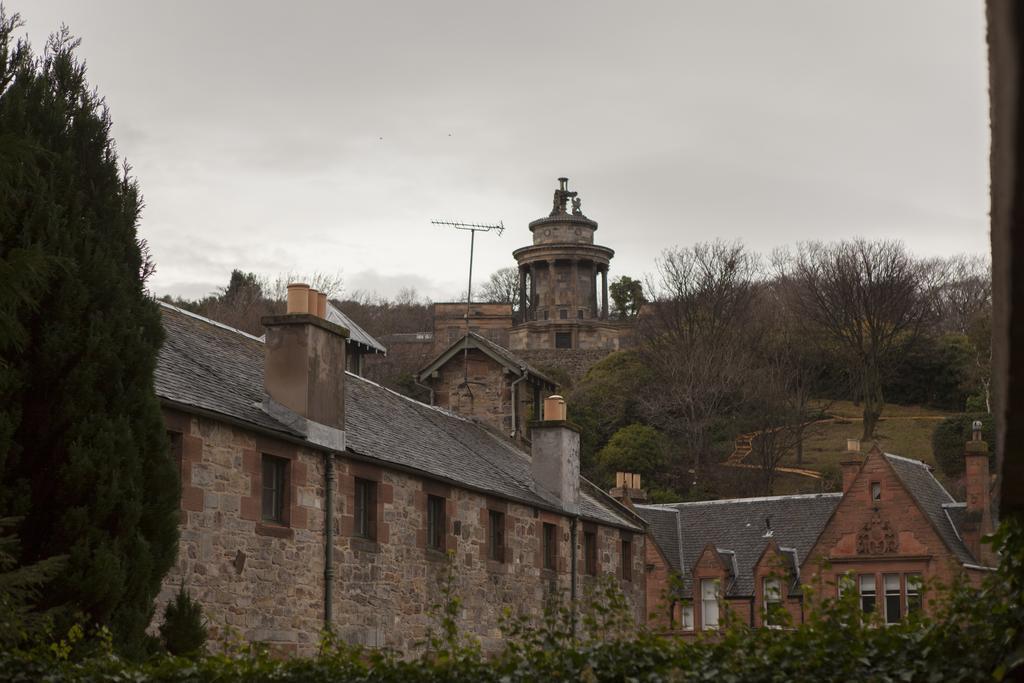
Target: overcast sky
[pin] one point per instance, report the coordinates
(324, 136)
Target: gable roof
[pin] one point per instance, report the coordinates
(356, 335)
(208, 367)
(738, 525)
(935, 502)
(499, 353)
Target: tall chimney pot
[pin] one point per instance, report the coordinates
(554, 408)
(298, 297)
(321, 305)
(312, 305)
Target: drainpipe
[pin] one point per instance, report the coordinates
(329, 542)
(515, 401)
(573, 564)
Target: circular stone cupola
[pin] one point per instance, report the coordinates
(563, 276)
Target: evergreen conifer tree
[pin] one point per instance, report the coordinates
(83, 455)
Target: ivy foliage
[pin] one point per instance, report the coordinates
(972, 634)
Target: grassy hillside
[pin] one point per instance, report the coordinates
(903, 430)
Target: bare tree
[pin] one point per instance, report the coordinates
(694, 339)
(502, 287)
(963, 291)
(871, 299)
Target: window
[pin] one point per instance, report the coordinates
(686, 618)
(563, 314)
(579, 314)
(867, 593)
(913, 588)
(709, 604)
(891, 583)
(550, 546)
(436, 526)
(545, 314)
(274, 487)
(772, 602)
(845, 584)
(590, 552)
(563, 340)
(366, 509)
(496, 536)
(876, 490)
(627, 561)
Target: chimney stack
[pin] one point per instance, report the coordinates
(851, 466)
(555, 456)
(304, 374)
(627, 489)
(978, 520)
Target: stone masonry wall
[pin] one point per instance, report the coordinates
(258, 581)
(265, 582)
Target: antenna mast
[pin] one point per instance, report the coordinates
(473, 229)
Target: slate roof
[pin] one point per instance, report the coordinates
(356, 334)
(738, 525)
(211, 367)
(931, 497)
(496, 351)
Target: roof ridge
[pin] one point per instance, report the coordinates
(209, 320)
(761, 499)
(913, 461)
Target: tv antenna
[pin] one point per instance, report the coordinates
(473, 229)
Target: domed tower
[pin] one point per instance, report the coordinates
(561, 305)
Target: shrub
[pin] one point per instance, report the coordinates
(973, 634)
(183, 632)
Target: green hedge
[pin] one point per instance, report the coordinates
(973, 635)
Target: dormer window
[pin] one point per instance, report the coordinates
(876, 490)
(709, 604)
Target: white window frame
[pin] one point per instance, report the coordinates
(771, 586)
(862, 580)
(912, 588)
(686, 617)
(709, 597)
(892, 591)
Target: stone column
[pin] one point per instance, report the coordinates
(533, 291)
(522, 293)
(575, 288)
(604, 293)
(593, 289)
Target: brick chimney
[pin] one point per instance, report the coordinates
(978, 517)
(627, 489)
(851, 466)
(555, 456)
(304, 374)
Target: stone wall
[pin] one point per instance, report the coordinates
(488, 397)
(265, 582)
(257, 581)
(575, 362)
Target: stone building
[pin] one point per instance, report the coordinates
(313, 498)
(892, 530)
(477, 378)
(563, 276)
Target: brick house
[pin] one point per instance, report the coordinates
(891, 530)
(475, 377)
(314, 498)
